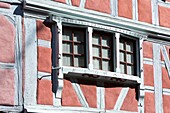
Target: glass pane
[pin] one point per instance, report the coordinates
(122, 56)
(67, 35)
(79, 36)
(67, 48)
(129, 46)
(122, 68)
(79, 61)
(67, 60)
(96, 51)
(105, 53)
(96, 63)
(129, 58)
(105, 41)
(130, 70)
(96, 39)
(121, 46)
(105, 65)
(78, 49)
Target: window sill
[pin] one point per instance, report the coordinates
(99, 74)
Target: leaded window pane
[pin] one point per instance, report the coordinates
(106, 65)
(79, 61)
(122, 56)
(129, 58)
(130, 70)
(79, 49)
(96, 63)
(68, 60)
(96, 51)
(67, 48)
(105, 53)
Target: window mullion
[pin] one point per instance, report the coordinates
(117, 35)
(73, 48)
(90, 48)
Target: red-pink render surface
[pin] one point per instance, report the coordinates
(125, 8)
(145, 11)
(7, 86)
(111, 96)
(76, 2)
(5, 5)
(130, 103)
(99, 5)
(149, 102)
(44, 59)
(69, 96)
(164, 17)
(44, 92)
(148, 75)
(7, 39)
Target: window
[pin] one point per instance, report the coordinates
(102, 51)
(127, 56)
(73, 47)
(76, 52)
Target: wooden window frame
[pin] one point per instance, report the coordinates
(73, 43)
(100, 46)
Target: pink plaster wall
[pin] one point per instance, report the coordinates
(149, 102)
(147, 49)
(75, 2)
(43, 31)
(69, 96)
(99, 5)
(62, 1)
(7, 87)
(148, 75)
(130, 103)
(5, 5)
(44, 59)
(165, 78)
(111, 96)
(166, 103)
(44, 92)
(164, 16)
(7, 39)
(145, 11)
(125, 8)
(89, 92)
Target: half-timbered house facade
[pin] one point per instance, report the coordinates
(85, 56)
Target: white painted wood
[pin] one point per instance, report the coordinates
(51, 109)
(114, 7)
(121, 98)
(69, 2)
(17, 109)
(151, 89)
(7, 65)
(90, 50)
(117, 35)
(155, 15)
(44, 43)
(157, 78)
(101, 73)
(57, 99)
(141, 87)
(93, 16)
(82, 3)
(44, 75)
(166, 58)
(135, 9)
(165, 4)
(30, 62)
(100, 95)
(18, 64)
(79, 93)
